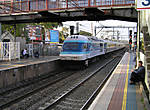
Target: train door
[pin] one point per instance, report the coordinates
(91, 50)
(105, 47)
(101, 48)
(85, 49)
(86, 55)
(88, 49)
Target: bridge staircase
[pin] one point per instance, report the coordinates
(147, 55)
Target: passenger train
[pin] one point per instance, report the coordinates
(79, 48)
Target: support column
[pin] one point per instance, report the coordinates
(89, 3)
(66, 3)
(77, 28)
(138, 38)
(15, 32)
(0, 30)
(95, 31)
(113, 33)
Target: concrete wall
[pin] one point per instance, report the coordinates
(14, 75)
(148, 20)
(145, 19)
(145, 29)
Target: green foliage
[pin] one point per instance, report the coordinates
(6, 27)
(49, 25)
(85, 33)
(142, 45)
(20, 28)
(63, 34)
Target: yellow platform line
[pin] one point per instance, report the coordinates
(126, 87)
(18, 65)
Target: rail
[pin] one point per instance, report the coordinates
(45, 5)
(55, 102)
(96, 92)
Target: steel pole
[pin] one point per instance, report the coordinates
(138, 37)
(77, 27)
(95, 30)
(14, 33)
(0, 30)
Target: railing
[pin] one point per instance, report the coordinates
(40, 5)
(9, 50)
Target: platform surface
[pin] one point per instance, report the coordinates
(4, 65)
(117, 93)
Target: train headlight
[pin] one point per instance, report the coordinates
(75, 57)
(62, 57)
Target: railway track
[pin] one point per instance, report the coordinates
(54, 95)
(59, 102)
(16, 94)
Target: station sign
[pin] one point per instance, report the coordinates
(54, 36)
(143, 4)
(34, 32)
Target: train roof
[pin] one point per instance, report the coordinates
(82, 37)
(89, 38)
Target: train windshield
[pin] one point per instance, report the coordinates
(73, 46)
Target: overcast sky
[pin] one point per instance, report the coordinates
(89, 26)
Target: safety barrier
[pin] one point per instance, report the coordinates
(41, 5)
(9, 50)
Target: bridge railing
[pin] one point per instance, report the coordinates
(41, 5)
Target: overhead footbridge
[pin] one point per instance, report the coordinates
(22, 11)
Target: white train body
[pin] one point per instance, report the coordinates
(82, 48)
(78, 47)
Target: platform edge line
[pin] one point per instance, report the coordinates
(126, 87)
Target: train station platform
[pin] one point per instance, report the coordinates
(4, 65)
(118, 94)
(18, 71)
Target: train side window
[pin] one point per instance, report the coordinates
(88, 46)
(101, 47)
(105, 45)
(84, 46)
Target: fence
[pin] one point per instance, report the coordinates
(9, 50)
(44, 49)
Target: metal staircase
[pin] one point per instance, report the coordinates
(147, 54)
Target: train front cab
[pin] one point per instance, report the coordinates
(75, 53)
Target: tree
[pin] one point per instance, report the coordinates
(85, 33)
(20, 28)
(63, 34)
(49, 25)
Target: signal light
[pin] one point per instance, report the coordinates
(135, 34)
(130, 41)
(71, 30)
(130, 37)
(130, 34)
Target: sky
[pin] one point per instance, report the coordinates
(89, 26)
